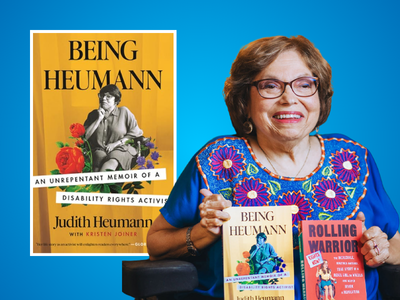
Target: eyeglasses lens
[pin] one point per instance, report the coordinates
(304, 86)
(271, 88)
(107, 96)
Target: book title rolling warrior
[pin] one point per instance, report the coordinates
(258, 253)
(102, 138)
(332, 265)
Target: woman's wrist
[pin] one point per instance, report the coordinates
(201, 237)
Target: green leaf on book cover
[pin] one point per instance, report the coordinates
(327, 171)
(251, 169)
(86, 169)
(55, 172)
(94, 188)
(72, 188)
(105, 188)
(350, 191)
(324, 216)
(60, 144)
(226, 193)
(115, 188)
(127, 186)
(274, 186)
(307, 186)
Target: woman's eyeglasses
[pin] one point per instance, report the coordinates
(274, 88)
(107, 96)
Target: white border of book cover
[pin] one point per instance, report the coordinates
(136, 197)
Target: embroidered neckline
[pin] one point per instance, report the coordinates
(320, 164)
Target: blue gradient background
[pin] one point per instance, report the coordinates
(360, 41)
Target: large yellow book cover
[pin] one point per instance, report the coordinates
(102, 138)
(258, 253)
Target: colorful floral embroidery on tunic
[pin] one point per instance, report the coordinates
(226, 163)
(251, 192)
(298, 199)
(346, 166)
(333, 190)
(329, 195)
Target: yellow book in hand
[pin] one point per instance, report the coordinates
(258, 253)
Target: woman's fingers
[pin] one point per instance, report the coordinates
(205, 193)
(375, 244)
(376, 247)
(211, 222)
(111, 147)
(211, 211)
(101, 113)
(361, 217)
(214, 201)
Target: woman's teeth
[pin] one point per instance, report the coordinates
(287, 116)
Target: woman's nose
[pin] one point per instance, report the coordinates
(288, 96)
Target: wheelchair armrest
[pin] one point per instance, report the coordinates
(145, 278)
(389, 281)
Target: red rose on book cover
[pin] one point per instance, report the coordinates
(70, 160)
(77, 130)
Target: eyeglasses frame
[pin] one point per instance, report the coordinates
(102, 96)
(255, 83)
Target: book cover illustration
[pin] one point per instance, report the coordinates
(102, 138)
(331, 262)
(258, 253)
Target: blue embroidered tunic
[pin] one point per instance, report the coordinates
(345, 182)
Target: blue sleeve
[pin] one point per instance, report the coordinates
(377, 207)
(182, 206)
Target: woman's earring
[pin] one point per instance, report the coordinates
(316, 130)
(247, 127)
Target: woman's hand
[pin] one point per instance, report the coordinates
(211, 211)
(102, 113)
(110, 147)
(375, 244)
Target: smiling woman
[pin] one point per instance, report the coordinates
(279, 91)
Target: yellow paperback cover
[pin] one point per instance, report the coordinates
(258, 253)
(102, 138)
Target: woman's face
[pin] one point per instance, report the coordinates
(260, 240)
(288, 117)
(325, 264)
(107, 101)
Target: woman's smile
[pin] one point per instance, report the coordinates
(288, 116)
